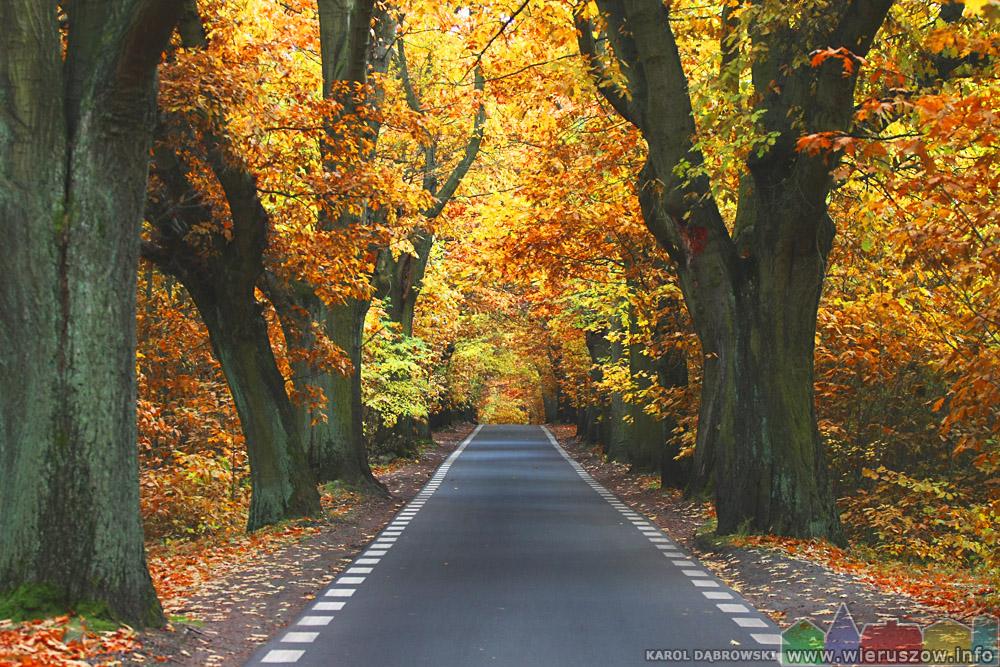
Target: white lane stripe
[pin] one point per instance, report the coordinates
(699, 578)
(279, 656)
(717, 595)
(359, 570)
(327, 606)
(367, 561)
(315, 620)
(299, 637)
(766, 640)
(351, 580)
(375, 552)
(340, 592)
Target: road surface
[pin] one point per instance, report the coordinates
(512, 555)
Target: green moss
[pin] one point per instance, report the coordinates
(36, 601)
(32, 601)
(186, 620)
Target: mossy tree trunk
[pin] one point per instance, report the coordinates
(76, 120)
(752, 294)
(222, 284)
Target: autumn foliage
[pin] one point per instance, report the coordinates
(541, 294)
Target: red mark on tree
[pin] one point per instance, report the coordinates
(695, 239)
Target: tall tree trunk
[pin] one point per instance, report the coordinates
(753, 293)
(648, 432)
(757, 446)
(333, 437)
(671, 372)
(618, 432)
(283, 485)
(341, 452)
(222, 284)
(74, 153)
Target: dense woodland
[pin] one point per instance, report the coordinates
(253, 249)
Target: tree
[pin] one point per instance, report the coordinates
(220, 266)
(753, 294)
(398, 278)
(336, 444)
(77, 103)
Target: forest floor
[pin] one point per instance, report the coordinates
(225, 597)
(784, 578)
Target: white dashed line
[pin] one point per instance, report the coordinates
(327, 606)
(351, 580)
(767, 640)
(367, 561)
(315, 620)
(340, 592)
(717, 595)
(300, 637)
(359, 570)
(749, 622)
(282, 656)
(705, 583)
(732, 608)
(695, 573)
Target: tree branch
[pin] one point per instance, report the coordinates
(471, 151)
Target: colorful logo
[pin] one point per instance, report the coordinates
(946, 642)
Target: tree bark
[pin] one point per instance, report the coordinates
(340, 452)
(752, 294)
(671, 372)
(75, 132)
(282, 483)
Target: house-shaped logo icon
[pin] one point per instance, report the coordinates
(843, 639)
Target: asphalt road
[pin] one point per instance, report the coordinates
(512, 555)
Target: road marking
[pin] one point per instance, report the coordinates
(351, 580)
(682, 562)
(340, 592)
(367, 561)
(279, 656)
(658, 539)
(300, 637)
(375, 552)
(767, 640)
(315, 620)
(705, 583)
(750, 622)
(328, 606)
(695, 573)
(717, 595)
(359, 570)
(731, 608)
